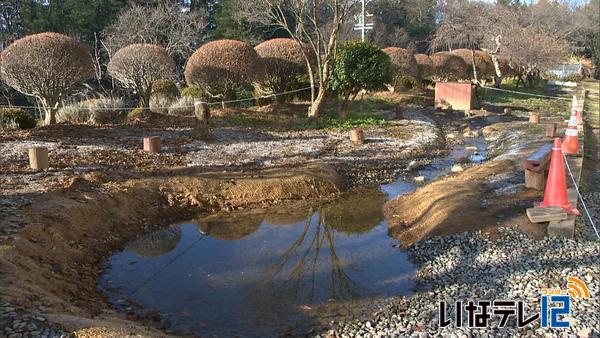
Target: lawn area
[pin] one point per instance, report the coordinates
(525, 103)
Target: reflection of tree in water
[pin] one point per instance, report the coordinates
(312, 257)
(357, 212)
(156, 243)
(231, 226)
(286, 216)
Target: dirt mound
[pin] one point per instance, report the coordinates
(57, 257)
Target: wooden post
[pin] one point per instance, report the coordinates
(357, 136)
(38, 158)
(535, 180)
(202, 112)
(534, 118)
(551, 130)
(152, 144)
(507, 110)
(399, 112)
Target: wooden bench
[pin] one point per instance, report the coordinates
(536, 166)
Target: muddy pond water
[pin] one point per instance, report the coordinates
(259, 273)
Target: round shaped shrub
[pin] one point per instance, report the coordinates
(425, 65)
(222, 66)
(137, 66)
(281, 57)
(194, 91)
(15, 118)
(483, 62)
(47, 66)
(403, 62)
(447, 66)
(358, 65)
(165, 88)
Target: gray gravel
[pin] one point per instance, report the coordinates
(475, 267)
(15, 322)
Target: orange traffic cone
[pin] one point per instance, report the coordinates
(577, 110)
(571, 143)
(555, 194)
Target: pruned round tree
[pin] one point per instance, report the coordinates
(425, 65)
(358, 65)
(222, 66)
(484, 68)
(283, 60)
(403, 62)
(449, 67)
(47, 66)
(137, 66)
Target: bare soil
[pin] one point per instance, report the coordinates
(56, 258)
(102, 190)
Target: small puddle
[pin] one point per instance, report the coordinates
(270, 272)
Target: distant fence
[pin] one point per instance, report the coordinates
(566, 69)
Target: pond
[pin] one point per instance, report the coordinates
(273, 272)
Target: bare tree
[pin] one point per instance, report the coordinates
(47, 66)
(166, 24)
(316, 23)
(138, 65)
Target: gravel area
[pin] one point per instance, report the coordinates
(475, 267)
(15, 323)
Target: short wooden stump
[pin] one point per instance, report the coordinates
(507, 110)
(38, 158)
(152, 144)
(534, 118)
(357, 136)
(551, 130)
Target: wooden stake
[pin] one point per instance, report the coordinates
(152, 144)
(507, 110)
(534, 118)
(202, 112)
(551, 130)
(357, 136)
(38, 158)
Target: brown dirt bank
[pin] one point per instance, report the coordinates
(56, 258)
(483, 197)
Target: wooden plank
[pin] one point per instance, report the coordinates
(538, 160)
(539, 215)
(535, 180)
(564, 228)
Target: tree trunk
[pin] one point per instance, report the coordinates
(314, 111)
(344, 106)
(50, 116)
(473, 64)
(50, 108)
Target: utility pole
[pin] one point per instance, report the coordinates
(361, 24)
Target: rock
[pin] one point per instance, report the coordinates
(472, 149)
(419, 179)
(584, 333)
(457, 168)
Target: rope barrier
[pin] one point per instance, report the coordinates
(209, 103)
(524, 93)
(579, 194)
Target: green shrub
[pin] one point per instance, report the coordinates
(194, 91)
(358, 65)
(16, 118)
(165, 87)
(405, 82)
(93, 111)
